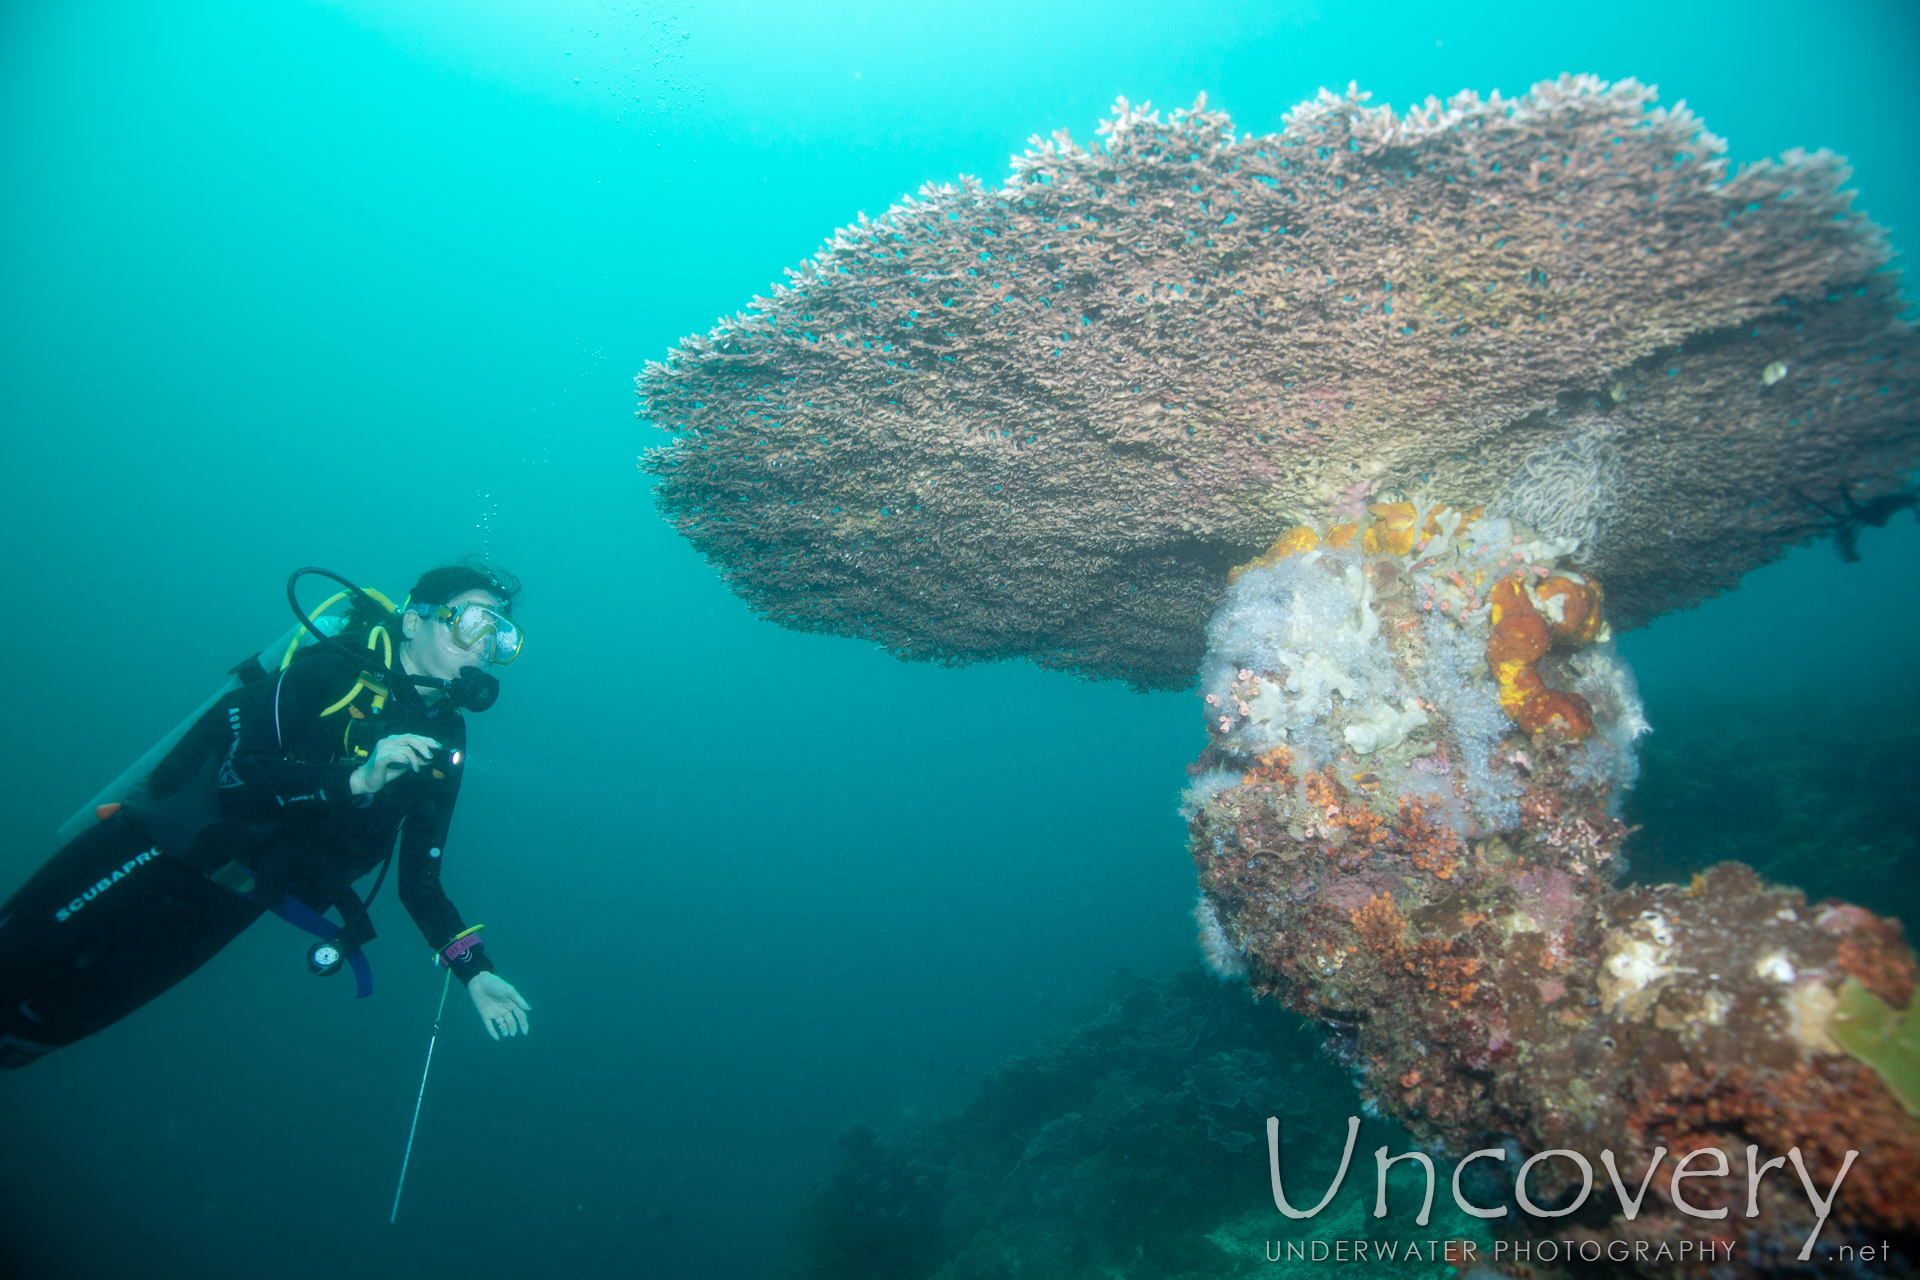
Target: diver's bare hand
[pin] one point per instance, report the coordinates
(502, 1009)
(392, 756)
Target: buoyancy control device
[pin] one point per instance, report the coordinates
(170, 785)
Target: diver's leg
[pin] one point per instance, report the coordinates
(105, 926)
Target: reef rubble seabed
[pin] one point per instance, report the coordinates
(1128, 1144)
(1407, 827)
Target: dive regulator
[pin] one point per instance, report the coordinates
(471, 690)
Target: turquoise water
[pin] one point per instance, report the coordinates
(365, 284)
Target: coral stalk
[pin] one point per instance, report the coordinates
(1407, 828)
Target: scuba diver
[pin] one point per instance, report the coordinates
(297, 780)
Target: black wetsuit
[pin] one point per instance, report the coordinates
(257, 808)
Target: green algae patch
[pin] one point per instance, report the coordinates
(1886, 1039)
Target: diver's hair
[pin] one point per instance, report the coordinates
(437, 586)
(442, 584)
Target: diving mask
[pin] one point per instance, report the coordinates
(475, 626)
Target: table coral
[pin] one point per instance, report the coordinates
(1046, 418)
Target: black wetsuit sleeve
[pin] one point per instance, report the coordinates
(273, 758)
(422, 842)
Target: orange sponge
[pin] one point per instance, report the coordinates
(1579, 621)
(1521, 637)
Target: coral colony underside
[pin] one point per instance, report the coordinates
(1045, 419)
(1407, 823)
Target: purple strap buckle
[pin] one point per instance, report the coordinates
(457, 950)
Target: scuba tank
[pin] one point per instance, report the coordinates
(173, 761)
(131, 779)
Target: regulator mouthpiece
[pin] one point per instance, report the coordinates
(473, 690)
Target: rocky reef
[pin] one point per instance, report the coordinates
(1131, 1143)
(1407, 825)
(1044, 419)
